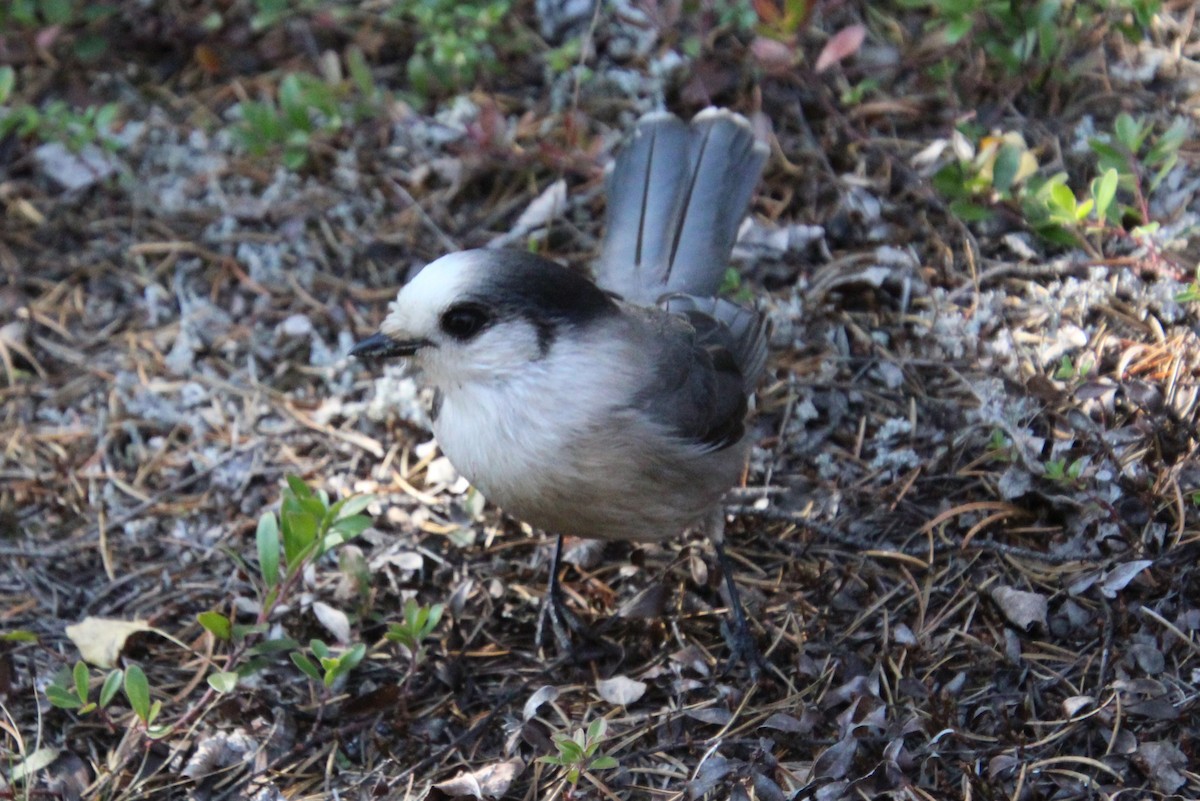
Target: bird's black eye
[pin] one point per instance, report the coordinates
(464, 320)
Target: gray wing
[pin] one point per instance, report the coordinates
(676, 196)
(706, 368)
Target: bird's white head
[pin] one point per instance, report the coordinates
(484, 315)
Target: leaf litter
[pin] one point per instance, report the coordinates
(967, 567)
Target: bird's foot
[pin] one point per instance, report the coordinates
(743, 650)
(573, 639)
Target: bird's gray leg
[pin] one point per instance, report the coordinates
(742, 646)
(553, 607)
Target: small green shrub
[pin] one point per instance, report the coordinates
(580, 753)
(456, 42)
(306, 110)
(55, 121)
(1003, 171)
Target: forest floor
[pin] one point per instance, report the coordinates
(969, 533)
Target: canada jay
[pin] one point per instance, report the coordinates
(612, 410)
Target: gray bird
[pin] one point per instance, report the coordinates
(611, 410)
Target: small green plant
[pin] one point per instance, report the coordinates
(307, 526)
(52, 16)
(857, 93)
(579, 753)
(1067, 370)
(1059, 470)
(1139, 161)
(456, 41)
(1028, 40)
(70, 689)
(329, 666)
(306, 110)
(1003, 172)
(1191, 293)
(419, 623)
(1000, 446)
(56, 121)
(137, 690)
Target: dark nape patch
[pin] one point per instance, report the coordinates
(547, 332)
(544, 292)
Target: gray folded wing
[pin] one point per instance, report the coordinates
(708, 354)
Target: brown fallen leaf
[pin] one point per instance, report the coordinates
(840, 46)
(490, 781)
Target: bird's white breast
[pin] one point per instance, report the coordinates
(524, 436)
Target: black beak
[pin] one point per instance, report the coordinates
(381, 346)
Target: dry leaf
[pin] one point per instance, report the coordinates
(334, 621)
(841, 45)
(1022, 609)
(621, 690)
(1119, 577)
(1163, 763)
(100, 639)
(540, 696)
(36, 761)
(646, 605)
(490, 781)
(774, 57)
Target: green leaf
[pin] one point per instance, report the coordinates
(267, 541)
(569, 750)
(293, 102)
(295, 156)
(1104, 190)
(352, 658)
(351, 506)
(8, 79)
(351, 527)
(62, 698)
(137, 690)
(314, 506)
(360, 73)
(968, 211)
(435, 617)
(57, 12)
(319, 648)
(158, 732)
(1084, 209)
(1168, 165)
(306, 665)
(216, 624)
(603, 763)
(299, 532)
(80, 675)
(1169, 142)
(596, 729)
(268, 647)
(298, 487)
(224, 681)
(1062, 197)
(956, 29)
(91, 47)
(112, 683)
(1108, 156)
(1004, 170)
(1127, 131)
(1057, 234)
(18, 635)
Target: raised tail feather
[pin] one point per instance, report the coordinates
(676, 196)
